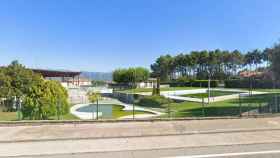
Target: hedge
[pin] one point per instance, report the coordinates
(153, 101)
(245, 83)
(195, 83)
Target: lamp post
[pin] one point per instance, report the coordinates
(209, 86)
(209, 89)
(133, 106)
(97, 108)
(169, 114)
(19, 105)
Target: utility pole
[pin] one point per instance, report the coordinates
(169, 110)
(92, 110)
(19, 105)
(133, 101)
(240, 105)
(97, 108)
(209, 84)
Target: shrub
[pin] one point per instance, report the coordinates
(204, 83)
(195, 83)
(182, 79)
(153, 101)
(46, 99)
(245, 83)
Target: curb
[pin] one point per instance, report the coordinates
(59, 122)
(147, 135)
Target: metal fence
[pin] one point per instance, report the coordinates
(125, 106)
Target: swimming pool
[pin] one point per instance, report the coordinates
(105, 110)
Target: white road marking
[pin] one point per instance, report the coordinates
(230, 154)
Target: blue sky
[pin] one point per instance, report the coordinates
(101, 35)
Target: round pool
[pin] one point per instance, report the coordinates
(106, 110)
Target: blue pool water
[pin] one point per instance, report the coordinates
(105, 109)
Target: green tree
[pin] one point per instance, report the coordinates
(93, 96)
(131, 75)
(41, 98)
(163, 67)
(275, 58)
(5, 84)
(45, 99)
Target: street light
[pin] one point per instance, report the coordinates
(133, 106)
(19, 105)
(97, 108)
(209, 84)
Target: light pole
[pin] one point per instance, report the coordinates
(203, 107)
(209, 84)
(19, 103)
(133, 106)
(97, 108)
(169, 114)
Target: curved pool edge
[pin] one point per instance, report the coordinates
(127, 107)
(83, 115)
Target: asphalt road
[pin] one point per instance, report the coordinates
(270, 150)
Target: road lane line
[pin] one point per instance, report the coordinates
(230, 154)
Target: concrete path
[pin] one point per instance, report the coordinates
(176, 95)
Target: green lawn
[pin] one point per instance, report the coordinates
(213, 93)
(139, 90)
(223, 108)
(68, 116)
(267, 90)
(12, 116)
(8, 116)
(118, 112)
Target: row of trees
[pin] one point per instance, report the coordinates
(131, 75)
(39, 98)
(200, 64)
(274, 58)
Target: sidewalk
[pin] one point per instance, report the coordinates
(134, 129)
(71, 139)
(70, 147)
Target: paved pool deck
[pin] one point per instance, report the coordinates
(177, 95)
(127, 107)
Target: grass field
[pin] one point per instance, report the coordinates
(118, 112)
(223, 108)
(12, 116)
(184, 109)
(8, 116)
(213, 93)
(139, 90)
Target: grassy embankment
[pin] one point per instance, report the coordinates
(139, 90)
(223, 108)
(213, 93)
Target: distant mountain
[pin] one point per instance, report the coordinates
(102, 76)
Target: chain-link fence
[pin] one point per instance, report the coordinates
(120, 105)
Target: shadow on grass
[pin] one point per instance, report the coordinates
(226, 108)
(214, 111)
